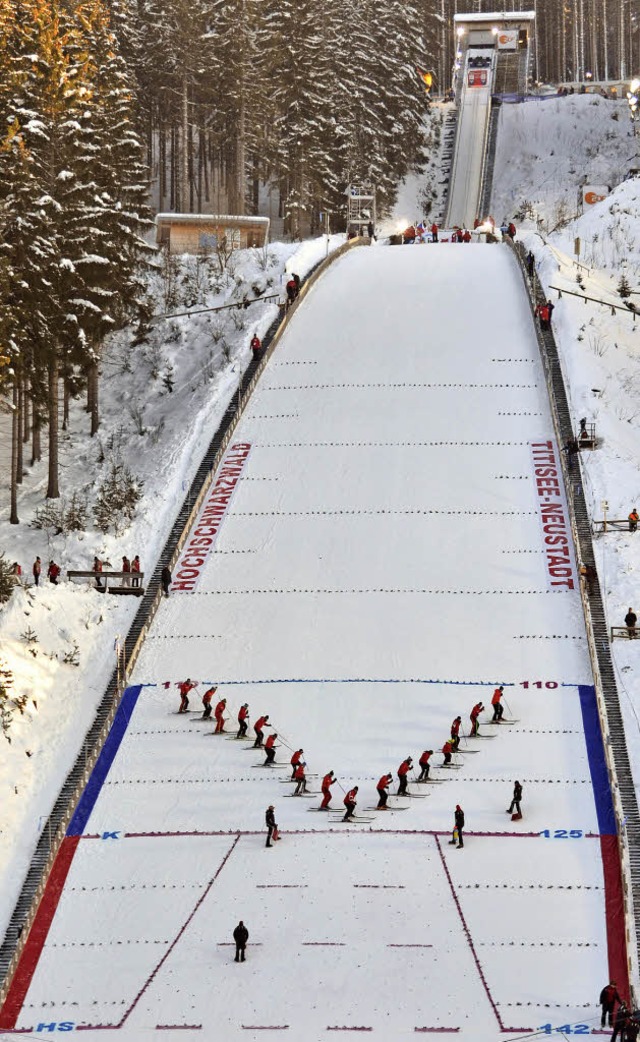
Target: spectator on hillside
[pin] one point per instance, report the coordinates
(531, 264)
(630, 621)
(544, 316)
(634, 517)
(256, 345)
(97, 569)
(126, 568)
(292, 290)
(370, 230)
(166, 579)
(53, 571)
(37, 569)
(135, 569)
(16, 572)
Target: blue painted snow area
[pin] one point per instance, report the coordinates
(87, 801)
(597, 761)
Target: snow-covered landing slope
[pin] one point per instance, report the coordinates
(380, 568)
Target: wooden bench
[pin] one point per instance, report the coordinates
(101, 580)
(623, 632)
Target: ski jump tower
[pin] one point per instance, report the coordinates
(492, 58)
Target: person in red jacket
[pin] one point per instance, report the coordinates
(243, 720)
(434, 232)
(270, 750)
(301, 779)
(184, 688)
(295, 760)
(206, 701)
(381, 788)
(135, 570)
(258, 727)
(455, 732)
(498, 709)
(53, 571)
(219, 715)
(473, 716)
(447, 749)
(256, 345)
(424, 764)
(350, 802)
(327, 782)
(403, 771)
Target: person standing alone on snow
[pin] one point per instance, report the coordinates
(457, 828)
(272, 827)
(515, 802)
(608, 998)
(240, 936)
(166, 579)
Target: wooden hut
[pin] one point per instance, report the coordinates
(198, 233)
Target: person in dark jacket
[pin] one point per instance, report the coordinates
(272, 828)
(630, 620)
(620, 1023)
(240, 936)
(608, 998)
(457, 828)
(515, 802)
(531, 264)
(166, 579)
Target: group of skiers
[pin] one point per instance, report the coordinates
(298, 764)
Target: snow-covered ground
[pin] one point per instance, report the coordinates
(379, 570)
(543, 153)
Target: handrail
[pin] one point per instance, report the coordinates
(617, 758)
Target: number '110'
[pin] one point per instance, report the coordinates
(538, 683)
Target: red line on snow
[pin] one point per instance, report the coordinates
(614, 913)
(467, 933)
(32, 950)
(439, 1030)
(411, 946)
(178, 1027)
(179, 934)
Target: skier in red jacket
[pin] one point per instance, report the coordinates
(473, 716)
(424, 764)
(382, 787)
(295, 760)
(350, 802)
(498, 709)
(258, 727)
(327, 782)
(219, 715)
(184, 688)
(243, 720)
(455, 732)
(206, 701)
(270, 750)
(301, 779)
(447, 749)
(403, 771)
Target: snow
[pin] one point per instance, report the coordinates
(363, 591)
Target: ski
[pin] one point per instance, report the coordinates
(449, 767)
(408, 796)
(496, 723)
(325, 810)
(183, 712)
(237, 738)
(389, 809)
(465, 751)
(285, 781)
(300, 795)
(355, 820)
(472, 736)
(430, 781)
(268, 767)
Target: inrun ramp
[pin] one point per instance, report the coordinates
(370, 563)
(470, 146)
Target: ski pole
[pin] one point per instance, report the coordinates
(508, 707)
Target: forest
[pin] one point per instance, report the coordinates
(115, 110)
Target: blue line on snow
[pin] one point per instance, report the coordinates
(99, 773)
(597, 761)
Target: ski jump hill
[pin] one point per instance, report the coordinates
(386, 542)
